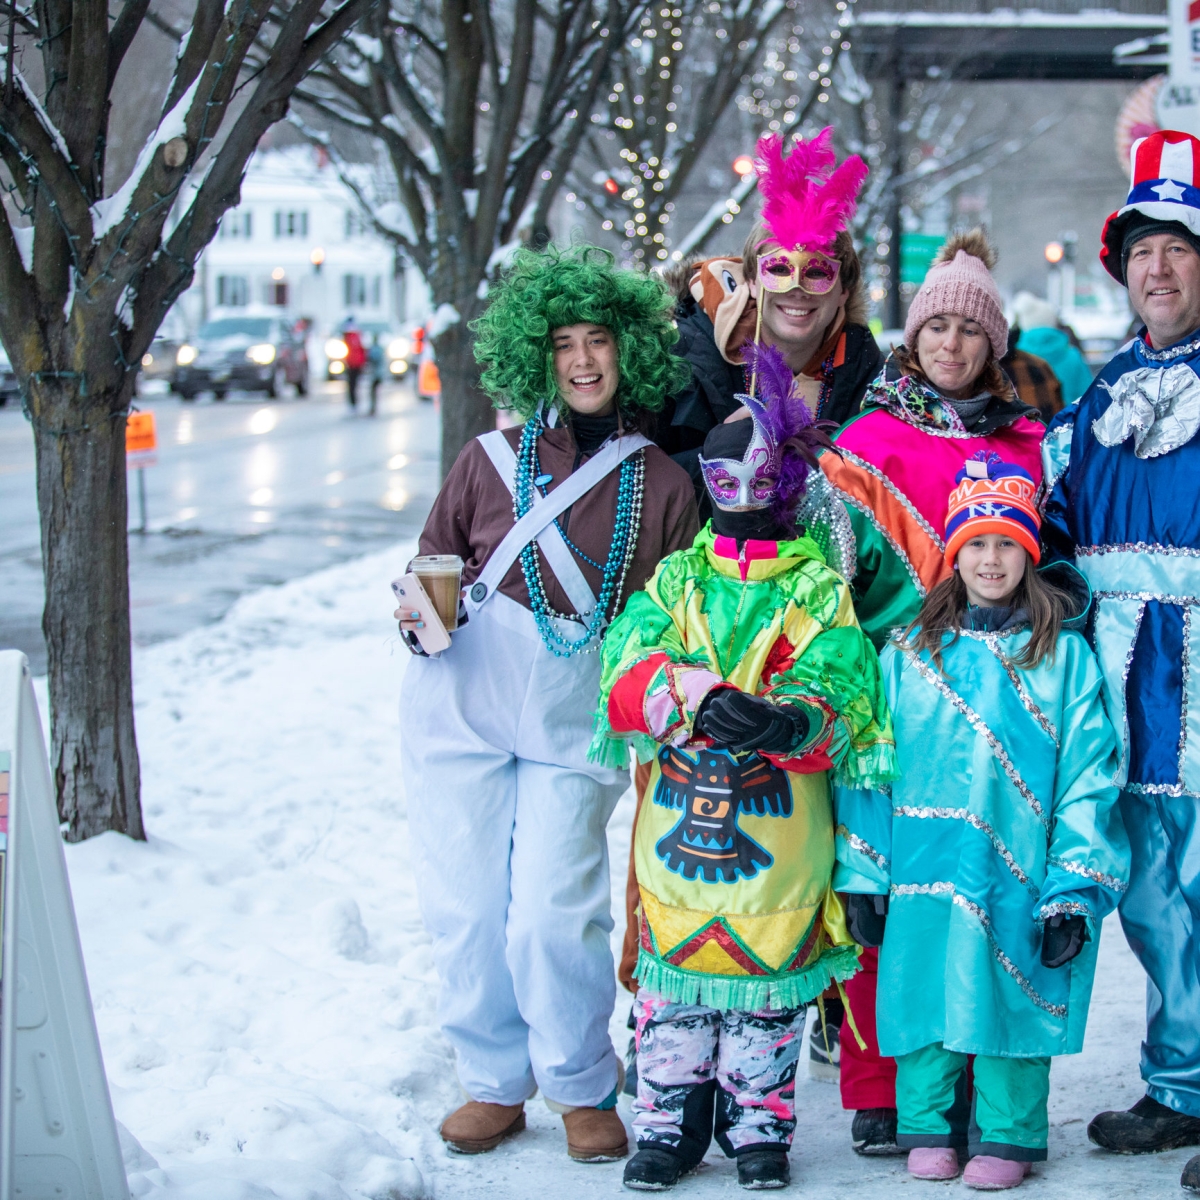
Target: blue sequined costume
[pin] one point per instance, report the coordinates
(1122, 468)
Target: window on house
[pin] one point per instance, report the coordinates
(237, 224)
(356, 224)
(376, 291)
(354, 290)
(291, 224)
(233, 291)
(277, 293)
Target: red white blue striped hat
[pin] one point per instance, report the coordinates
(1164, 185)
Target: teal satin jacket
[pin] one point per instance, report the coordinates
(1004, 814)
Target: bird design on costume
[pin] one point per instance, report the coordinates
(714, 788)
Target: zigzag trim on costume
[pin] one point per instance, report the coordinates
(786, 990)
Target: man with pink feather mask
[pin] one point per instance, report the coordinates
(797, 286)
(742, 674)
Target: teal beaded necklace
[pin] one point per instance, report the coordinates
(529, 487)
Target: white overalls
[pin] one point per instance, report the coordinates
(508, 825)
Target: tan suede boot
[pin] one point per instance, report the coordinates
(595, 1135)
(478, 1127)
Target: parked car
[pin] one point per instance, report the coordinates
(9, 389)
(396, 347)
(159, 361)
(253, 353)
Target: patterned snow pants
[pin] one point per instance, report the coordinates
(692, 1059)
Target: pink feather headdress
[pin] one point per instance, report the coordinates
(806, 201)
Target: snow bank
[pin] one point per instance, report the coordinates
(263, 986)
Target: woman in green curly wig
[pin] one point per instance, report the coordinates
(556, 522)
(561, 289)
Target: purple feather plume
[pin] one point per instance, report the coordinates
(782, 412)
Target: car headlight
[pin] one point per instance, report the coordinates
(399, 347)
(263, 354)
(336, 367)
(336, 348)
(399, 366)
(147, 359)
(185, 355)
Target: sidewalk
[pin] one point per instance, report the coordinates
(263, 985)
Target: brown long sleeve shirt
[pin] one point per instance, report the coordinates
(474, 511)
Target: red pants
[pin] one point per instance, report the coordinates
(868, 1079)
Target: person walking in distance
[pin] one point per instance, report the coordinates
(356, 357)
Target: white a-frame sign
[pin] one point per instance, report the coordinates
(58, 1140)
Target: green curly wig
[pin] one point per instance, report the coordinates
(545, 291)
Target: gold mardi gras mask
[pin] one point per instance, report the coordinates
(812, 272)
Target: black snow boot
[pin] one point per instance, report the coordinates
(874, 1132)
(1146, 1128)
(1190, 1178)
(652, 1170)
(762, 1169)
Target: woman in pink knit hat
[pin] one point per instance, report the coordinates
(940, 399)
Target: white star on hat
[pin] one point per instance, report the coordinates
(1168, 190)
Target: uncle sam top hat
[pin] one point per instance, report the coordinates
(1164, 188)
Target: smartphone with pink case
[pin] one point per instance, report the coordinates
(412, 597)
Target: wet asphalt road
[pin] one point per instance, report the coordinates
(244, 494)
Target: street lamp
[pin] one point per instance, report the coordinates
(1054, 253)
(743, 165)
(317, 258)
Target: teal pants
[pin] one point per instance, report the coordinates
(1005, 1119)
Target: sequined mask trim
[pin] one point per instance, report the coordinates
(978, 724)
(975, 820)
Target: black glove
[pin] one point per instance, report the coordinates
(866, 916)
(741, 722)
(1062, 939)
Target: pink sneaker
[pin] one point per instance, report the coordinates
(932, 1162)
(988, 1174)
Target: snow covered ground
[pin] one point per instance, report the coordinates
(263, 986)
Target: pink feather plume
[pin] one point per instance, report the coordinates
(807, 202)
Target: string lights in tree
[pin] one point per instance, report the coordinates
(671, 84)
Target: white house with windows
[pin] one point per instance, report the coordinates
(298, 242)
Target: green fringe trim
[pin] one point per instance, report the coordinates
(607, 749)
(869, 769)
(747, 992)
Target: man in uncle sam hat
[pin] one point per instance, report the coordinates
(1122, 472)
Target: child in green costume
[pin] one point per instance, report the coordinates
(742, 670)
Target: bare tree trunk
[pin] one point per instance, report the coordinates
(466, 409)
(80, 442)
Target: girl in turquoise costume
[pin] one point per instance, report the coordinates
(1002, 848)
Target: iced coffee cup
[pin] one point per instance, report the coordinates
(441, 577)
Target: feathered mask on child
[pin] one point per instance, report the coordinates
(763, 462)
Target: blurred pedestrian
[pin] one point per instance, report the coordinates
(1033, 377)
(377, 363)
(356, 358)
(1041, 334)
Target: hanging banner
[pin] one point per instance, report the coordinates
(57, 1133)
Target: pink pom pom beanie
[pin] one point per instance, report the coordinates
(964, 286)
